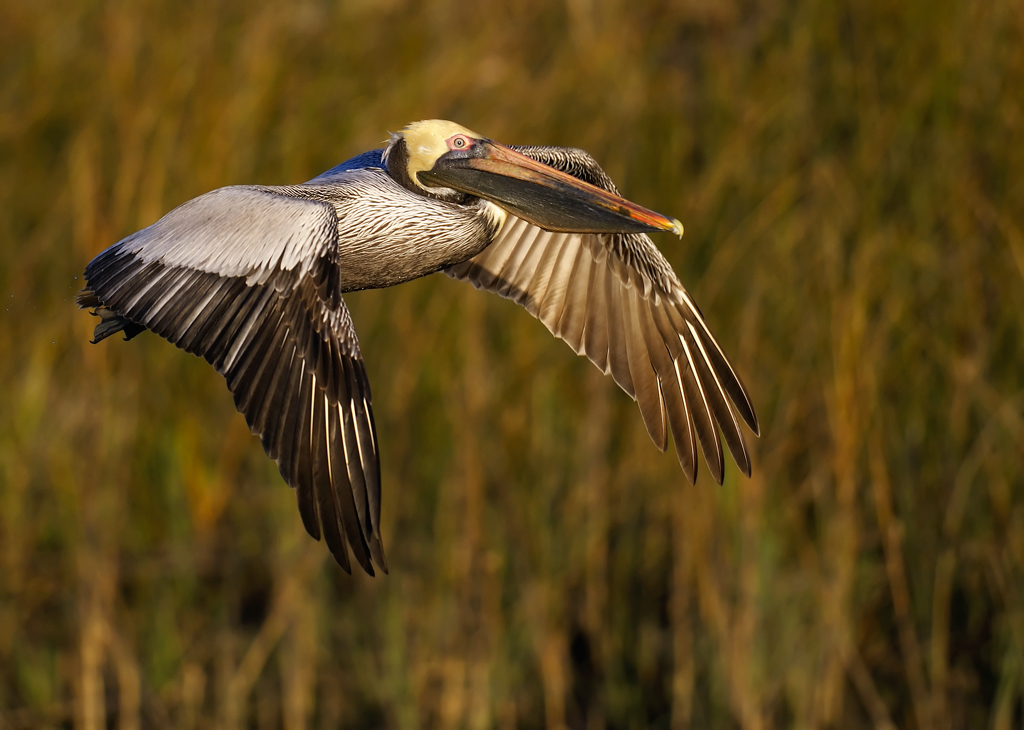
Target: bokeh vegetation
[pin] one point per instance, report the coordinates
(851, 177)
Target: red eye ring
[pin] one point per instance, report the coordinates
(459, 142)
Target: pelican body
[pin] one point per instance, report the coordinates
(251, 278)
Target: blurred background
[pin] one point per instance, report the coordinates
(850, 177)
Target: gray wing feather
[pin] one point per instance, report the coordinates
(243, 230)
(246, 278)
(615, 299)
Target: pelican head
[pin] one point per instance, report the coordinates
(445, 160)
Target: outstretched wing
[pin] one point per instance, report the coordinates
(246, 277)
(615, 299)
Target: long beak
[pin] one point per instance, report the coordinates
(542, 195)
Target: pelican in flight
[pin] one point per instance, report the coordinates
(251, 278)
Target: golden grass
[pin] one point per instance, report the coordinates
(850, 180)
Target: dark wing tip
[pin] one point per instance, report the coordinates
(755, 427)
(377, 553)
(367, 568)
(87, 299)
(688, 463)
(743, 405)
(717, 468)
(341, 558)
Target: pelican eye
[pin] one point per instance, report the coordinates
(459, 142)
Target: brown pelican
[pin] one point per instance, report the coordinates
(251, 278)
